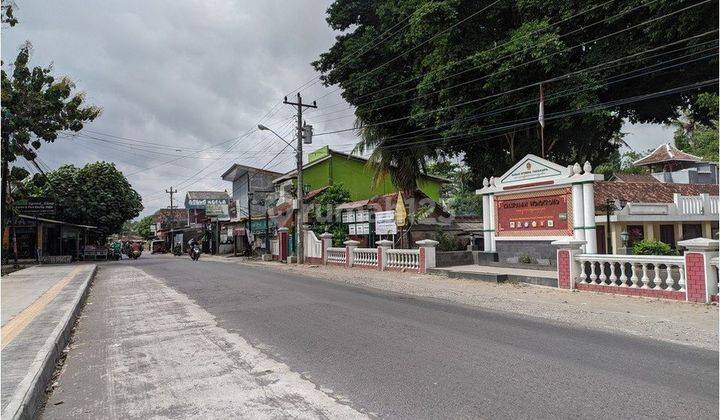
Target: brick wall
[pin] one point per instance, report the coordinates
(695, 276)
(630, 291)
(563, 268)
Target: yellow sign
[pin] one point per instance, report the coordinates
(400, 212)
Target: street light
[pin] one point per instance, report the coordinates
(264, 128)
(298, 218)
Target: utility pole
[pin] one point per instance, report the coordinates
(298, 220)
(172, 219)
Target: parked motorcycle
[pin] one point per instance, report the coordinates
(195, 252)
(135, 251)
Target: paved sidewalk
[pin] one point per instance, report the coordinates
(39, 305)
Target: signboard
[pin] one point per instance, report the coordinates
(232, 209)
(362, 216)
(318, 154)
(219, 210)
(385, 223)
(538, 213)
(35, 207)
(531, 169)
(362, 229)
(348, 217)
(204, 203)
(259, 225)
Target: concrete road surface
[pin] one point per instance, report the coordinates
(174, 338)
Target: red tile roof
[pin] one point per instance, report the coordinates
(647, 192)
(666, 153)
(163, 214)
(647, 178)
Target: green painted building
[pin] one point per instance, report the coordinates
(329, 167)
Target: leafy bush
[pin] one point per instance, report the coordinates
(447, 242)
(526, 259)
(648, 247)
(177, 249)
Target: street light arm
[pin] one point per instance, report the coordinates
(264, 128)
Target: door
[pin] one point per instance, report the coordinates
(667, 235)
(601, 240)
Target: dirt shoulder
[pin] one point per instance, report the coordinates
(678, 322)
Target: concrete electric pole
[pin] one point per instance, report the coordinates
(300, 129)
(172, 219)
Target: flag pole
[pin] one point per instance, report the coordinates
(541, 120)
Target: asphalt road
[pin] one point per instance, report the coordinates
(402, 357)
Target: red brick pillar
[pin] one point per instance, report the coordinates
(567, 268)
(283, 243)
(701, 279)
(326, 239)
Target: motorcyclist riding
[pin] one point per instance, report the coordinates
(194, 249)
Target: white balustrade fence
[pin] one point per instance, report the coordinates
(403, 258)
(274, 247)
(365, 257)
(696, 204)
(313, 245)
(654, 272)
(336, 255)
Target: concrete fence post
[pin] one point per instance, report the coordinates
(701, 279)
(326, 239)
(349, 247)
(283, 243)
(382, 247)
(427, 254)
(568, 268)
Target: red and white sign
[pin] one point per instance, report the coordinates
(538, 213)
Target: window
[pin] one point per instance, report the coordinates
(691, 230)
(636, 234)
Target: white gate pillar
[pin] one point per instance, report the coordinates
(487, 226)
(578, 207)
(589, 206)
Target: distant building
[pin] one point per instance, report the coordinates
(253, 193)
(670, 165)
(327, 167)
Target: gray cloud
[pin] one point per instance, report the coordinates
(187, 74)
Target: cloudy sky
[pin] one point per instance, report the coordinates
(183, 83)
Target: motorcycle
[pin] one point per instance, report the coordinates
(195, 252)
(135, 254)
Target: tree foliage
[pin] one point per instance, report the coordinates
(458, 195)
(697, 132)
(36, 107)
(143, 227)
(96, 194)
(431, 89)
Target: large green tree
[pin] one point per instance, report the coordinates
(696, 131)
(96, 194)
(143, 227)
(432, 78)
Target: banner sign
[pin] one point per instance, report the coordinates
(219, 210)
(260, 226)
(204, 203)
(385, 223)
(538, 213)
(35, 207)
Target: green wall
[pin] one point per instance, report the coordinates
(357, 177)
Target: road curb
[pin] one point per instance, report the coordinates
(30, 395)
